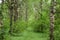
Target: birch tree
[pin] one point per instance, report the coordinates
(52, 18)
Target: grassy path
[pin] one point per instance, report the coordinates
(31, 36)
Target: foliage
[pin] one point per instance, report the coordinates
(30, 29)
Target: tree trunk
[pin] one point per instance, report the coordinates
(52, 12)
(1, 21)
(13, 7)
(41, 3)
(15, 10)
(11, 14)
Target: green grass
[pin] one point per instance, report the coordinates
(28, 35)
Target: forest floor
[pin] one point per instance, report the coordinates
(28, 35)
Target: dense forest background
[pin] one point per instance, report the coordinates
(29, 19)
